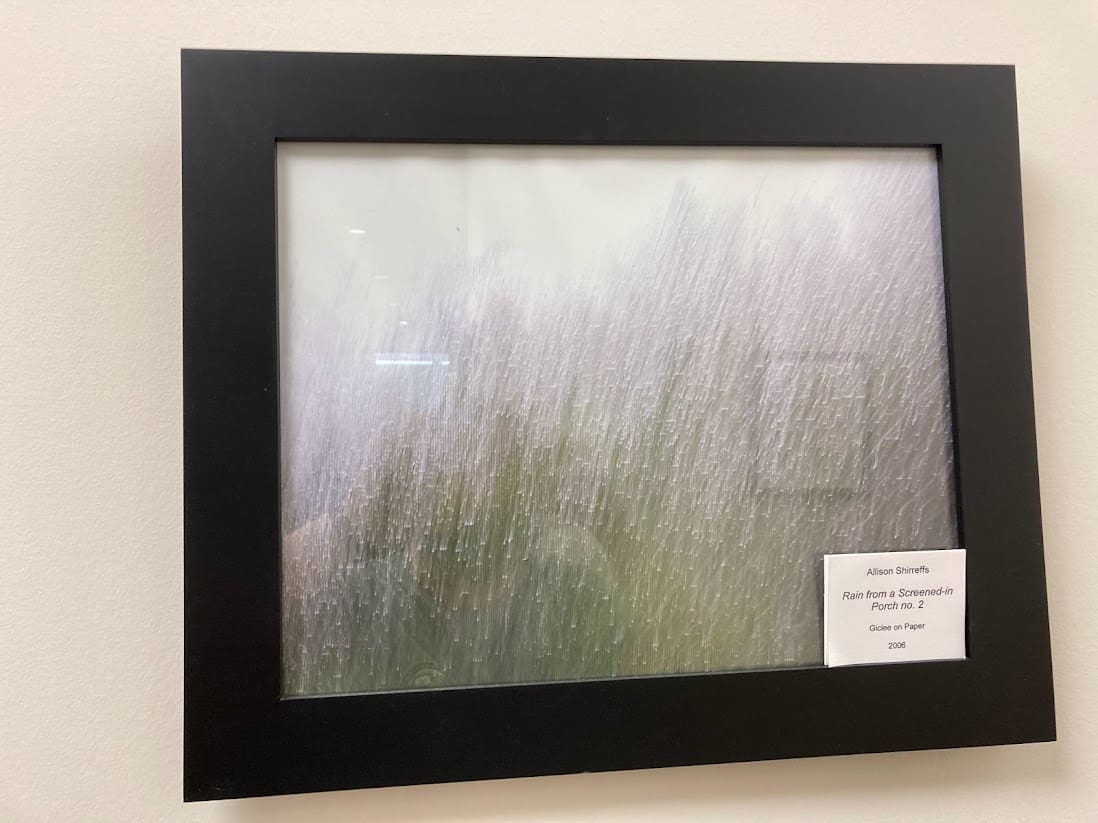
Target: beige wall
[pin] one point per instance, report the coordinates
(90, 421)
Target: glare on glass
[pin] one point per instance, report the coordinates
(563, 413)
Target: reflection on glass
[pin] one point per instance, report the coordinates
(560, 413)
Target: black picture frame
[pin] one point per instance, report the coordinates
(241, 738)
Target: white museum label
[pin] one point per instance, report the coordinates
(894, 607)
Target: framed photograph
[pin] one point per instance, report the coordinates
(525, 397)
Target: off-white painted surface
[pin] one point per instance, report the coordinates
(90, 397)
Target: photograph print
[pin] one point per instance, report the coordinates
(563, 413)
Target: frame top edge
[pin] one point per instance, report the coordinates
(198, 53)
